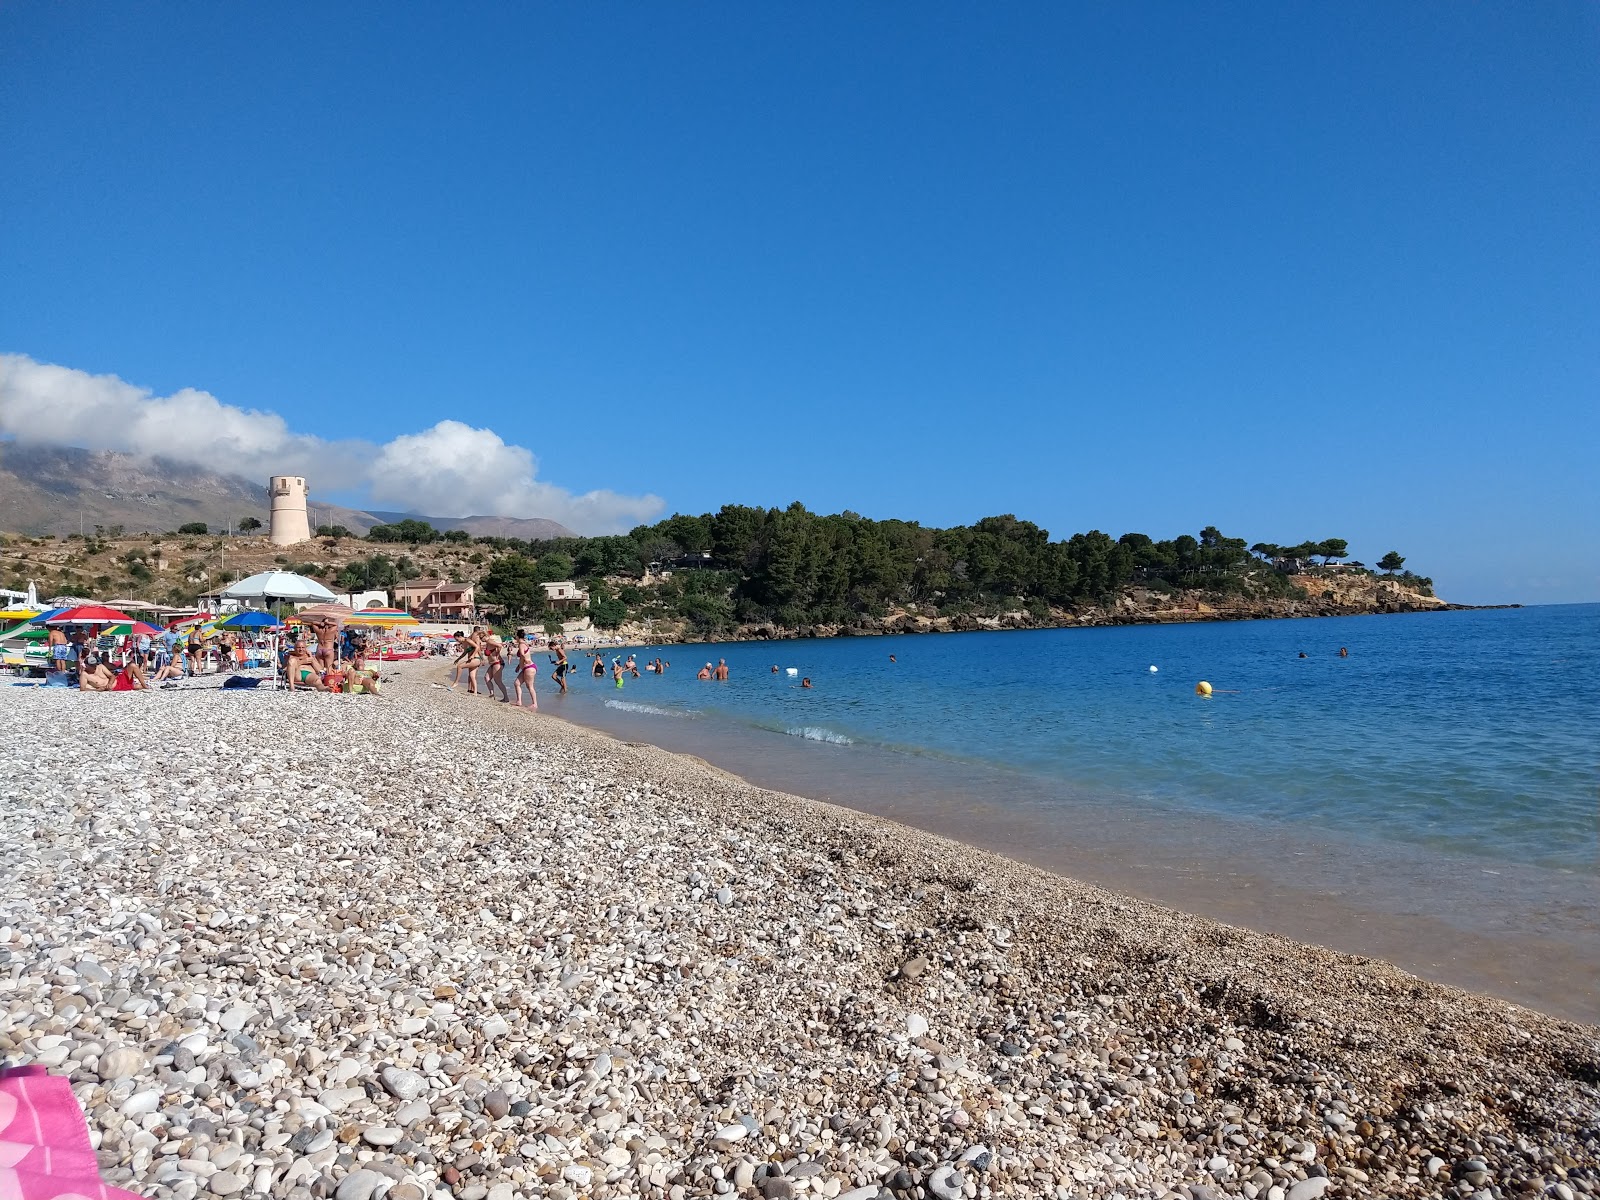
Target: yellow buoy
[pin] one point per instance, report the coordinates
(1202, 688)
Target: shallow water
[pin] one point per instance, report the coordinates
(1431, 798)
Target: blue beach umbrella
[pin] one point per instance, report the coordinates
(249, 619)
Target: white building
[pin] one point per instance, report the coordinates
(565, 595)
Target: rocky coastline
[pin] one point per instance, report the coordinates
(310, 946)
(1319, 596)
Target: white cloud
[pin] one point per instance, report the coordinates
(450, 470)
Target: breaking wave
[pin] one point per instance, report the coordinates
(650, 709)
(815, 733)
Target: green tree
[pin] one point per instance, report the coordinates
(1391, 562)
(193, 527)
(555, 567)
(513, 583)
(249, 524)
(1331, 549)
(331, 531)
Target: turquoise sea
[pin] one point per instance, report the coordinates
(1438, 784)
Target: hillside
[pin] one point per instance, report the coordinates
(57, 490)
(765, 574)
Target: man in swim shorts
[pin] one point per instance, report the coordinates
(59, 652)
(562, 665)
(721, 673)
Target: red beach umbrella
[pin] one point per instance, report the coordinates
(90, 614)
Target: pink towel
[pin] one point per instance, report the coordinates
(44, 1141)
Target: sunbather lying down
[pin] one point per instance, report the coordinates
(96, 676)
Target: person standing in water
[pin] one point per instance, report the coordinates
(562, 666)
(721, 673)
(527, 674)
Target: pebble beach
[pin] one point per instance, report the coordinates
(427, 946)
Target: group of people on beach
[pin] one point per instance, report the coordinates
(484, 649)
(330, 661)
(137, 662)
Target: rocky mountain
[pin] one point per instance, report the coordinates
(63, 489)
(531, 529)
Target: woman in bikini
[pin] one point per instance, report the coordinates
(527, 673)
(469, 660)
(494, 666)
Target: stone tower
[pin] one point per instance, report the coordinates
(289, 522)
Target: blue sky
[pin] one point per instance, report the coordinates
(1298, 271)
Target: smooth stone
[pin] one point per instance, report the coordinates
(140, 1103)
(360, 1184)
(1309, 1189)
(497, 1104)
(121, 1063)
(338, 1099)
(495, 1028)
(501, 1191)
(236, 1018)
(416, 1110)
(402, 1084)
(946, 1183)
(225, 1183)
(92, 972)
(776, 1187)
(913, 968)
(225, 1155)
(577, 1174)
(916, 1025)
(382, 1135)
(731, 1133)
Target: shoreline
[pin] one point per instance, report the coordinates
(1534, 972)
(474, 949)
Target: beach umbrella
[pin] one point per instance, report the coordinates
(277, 585)
(41, 618)
(383, 618)
(319, 612)
(19, 614)
(90, 614)
(133, 629)
(250, 618)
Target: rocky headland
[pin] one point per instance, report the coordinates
(1332, 594)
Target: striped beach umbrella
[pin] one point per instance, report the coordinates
(382, 618)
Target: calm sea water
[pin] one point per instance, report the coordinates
(1450, 755)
